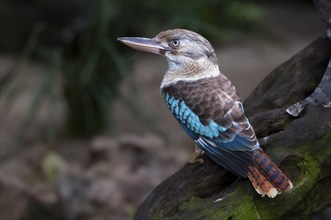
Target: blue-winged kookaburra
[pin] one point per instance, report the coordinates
(207, 106)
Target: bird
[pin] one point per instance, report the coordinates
(209, 109)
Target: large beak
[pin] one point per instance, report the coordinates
(144, 44)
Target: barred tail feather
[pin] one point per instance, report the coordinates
(272, 172)
(261, 184)
(266, 177)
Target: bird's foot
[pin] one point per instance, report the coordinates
(195, 157)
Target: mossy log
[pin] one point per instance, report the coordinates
(300, 145)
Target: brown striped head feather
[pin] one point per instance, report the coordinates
(190, 56)
(186, 43)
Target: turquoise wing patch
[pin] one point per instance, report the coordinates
(188, 118)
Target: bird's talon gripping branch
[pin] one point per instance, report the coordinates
(195, 156)
(195, 159)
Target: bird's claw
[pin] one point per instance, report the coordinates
(195, 160)
(195, 157)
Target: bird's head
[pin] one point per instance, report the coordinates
(190, 56)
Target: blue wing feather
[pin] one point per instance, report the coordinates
(232, 150)
(234, 161)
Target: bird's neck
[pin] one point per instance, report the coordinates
(188, 71)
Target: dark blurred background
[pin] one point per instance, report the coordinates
(85, 133)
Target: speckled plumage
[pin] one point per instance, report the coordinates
(210, 111)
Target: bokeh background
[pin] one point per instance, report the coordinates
(85, 133)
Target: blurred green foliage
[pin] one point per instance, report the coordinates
(88, 57)
(92, 70)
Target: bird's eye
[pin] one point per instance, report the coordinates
(175, 43)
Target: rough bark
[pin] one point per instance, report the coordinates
(300, 145)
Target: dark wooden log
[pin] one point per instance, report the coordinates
(300, 145)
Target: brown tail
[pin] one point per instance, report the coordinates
(266, 177)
